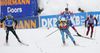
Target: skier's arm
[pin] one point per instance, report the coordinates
(71, 13)
(15, 22)
(3, 19)
(86, 21)
(96, 20)
(62, 13)
(57, 23)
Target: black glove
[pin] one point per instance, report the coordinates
(74, 19)
(85, 25)
(58, 28)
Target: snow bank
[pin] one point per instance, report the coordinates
(57, 6)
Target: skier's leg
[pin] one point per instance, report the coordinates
(72, 39)
(67, 36)
(71, 24)
(88, 29)
(7, 34)
(13, 31)
(92, 27)
(62, 33)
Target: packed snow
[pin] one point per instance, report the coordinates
(52, 7)
(52, 44)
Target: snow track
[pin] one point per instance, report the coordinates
(53, 44)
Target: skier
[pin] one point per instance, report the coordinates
(67, 14)
(90, 20)
(9, 26)
(63, 25)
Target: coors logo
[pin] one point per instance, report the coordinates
(14, 10)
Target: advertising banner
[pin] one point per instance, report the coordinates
(19, 8)
(26, 22)
(50, 21)
(79, 19)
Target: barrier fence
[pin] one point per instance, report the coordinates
(50, 21)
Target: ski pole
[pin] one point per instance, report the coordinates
(84, 30)
(51, 33)
(67, 5)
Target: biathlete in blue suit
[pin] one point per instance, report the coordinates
(67, 14)
(63, 25)
(9, 19)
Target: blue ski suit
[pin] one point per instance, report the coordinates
(64, 29)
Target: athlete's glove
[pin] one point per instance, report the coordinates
(74, 17)
(59, 18)
(15, 28)
(85, 25)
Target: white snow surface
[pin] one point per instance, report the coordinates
(52, 7)
(52, 44)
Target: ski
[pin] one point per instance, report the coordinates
(6, 44)
(84, 37)
(24, 44)
(79, 45)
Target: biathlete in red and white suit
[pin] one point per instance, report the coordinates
(90, 20)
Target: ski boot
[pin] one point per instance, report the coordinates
(19, 41)
(91, 36)
(79, 34)
(6, 42)
(66, 36)
(64, 43)
(75, 43)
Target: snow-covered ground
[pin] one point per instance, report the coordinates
(52, 7)
(52, 44)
